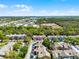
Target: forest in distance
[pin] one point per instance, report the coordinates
(69, 26)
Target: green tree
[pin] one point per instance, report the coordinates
(23, 51)
(27, 39)
(46, 43)
(16, 46)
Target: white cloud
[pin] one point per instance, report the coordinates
(26, 10)
(20, 10)
(3, 6)
(71, 12)
(22, 7)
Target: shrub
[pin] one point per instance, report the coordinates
(23, 51)
(46, 43)
(16, 46)
(18, 57)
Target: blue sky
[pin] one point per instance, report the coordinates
(39, 7)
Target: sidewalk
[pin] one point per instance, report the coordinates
(29, 51)
(6, 48)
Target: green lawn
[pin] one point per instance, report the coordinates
(2, 44)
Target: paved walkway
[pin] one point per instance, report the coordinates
(29, 51)
(74, 48)
(6, 48)
(1, 58)
(46, 52)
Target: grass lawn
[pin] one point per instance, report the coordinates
(2, 44)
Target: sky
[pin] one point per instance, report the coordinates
(39, 7)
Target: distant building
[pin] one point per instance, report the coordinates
(60, 37)
(35, 25)
(51, 25)
(17, 25)
(52, 38)
(16, 36)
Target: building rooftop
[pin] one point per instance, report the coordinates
(67, 50)
(54, 25)
(17, 35)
